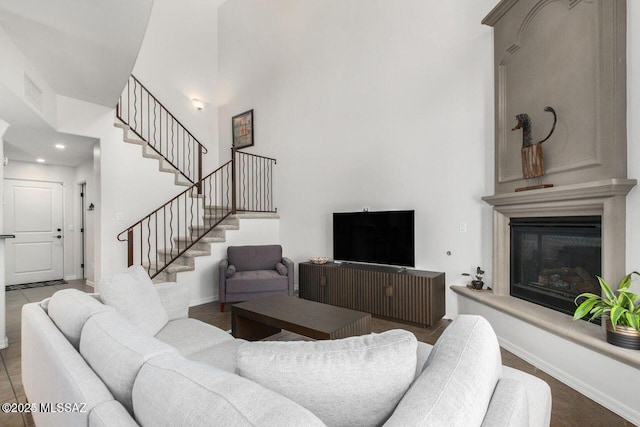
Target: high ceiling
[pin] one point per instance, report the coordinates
(84, 50)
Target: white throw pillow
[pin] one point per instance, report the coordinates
(171, 391)
(133, 295)
(346, 382)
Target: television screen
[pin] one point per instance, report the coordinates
(374, 237)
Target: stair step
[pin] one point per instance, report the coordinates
(205, 239)
(171, 269)
(219, 208)
(150, 153)
(190, 253)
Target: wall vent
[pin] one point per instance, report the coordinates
(32, 92)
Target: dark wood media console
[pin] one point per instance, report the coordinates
(413, 296)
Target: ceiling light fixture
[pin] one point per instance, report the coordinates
(60, 146)
(199, 103)
(40, 160)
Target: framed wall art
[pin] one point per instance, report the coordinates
(242, 125)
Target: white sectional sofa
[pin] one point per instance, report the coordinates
(142, 361)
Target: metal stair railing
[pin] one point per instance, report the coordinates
(244, 183)
(154, 124)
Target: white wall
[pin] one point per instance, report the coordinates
(633, 136)
(366, 103)
(178, 61)
(4, 341)
(14, 68)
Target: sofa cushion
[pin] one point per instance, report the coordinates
(177, 392)
(174, 298)
(508, 406)
(351, 381)
(191, 335)
(247, 281)
(222, 356)
(247, 258)
(54, 371)
(70, 309)
(111, 413)
(538, 395)
(116, 350)
(458, 379)
(133, 295)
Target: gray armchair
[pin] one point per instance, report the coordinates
(254, 272)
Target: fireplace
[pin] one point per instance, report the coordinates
(554, 259)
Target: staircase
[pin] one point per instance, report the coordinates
(167, 240)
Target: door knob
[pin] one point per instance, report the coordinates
(59, 236)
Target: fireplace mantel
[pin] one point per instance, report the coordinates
(588, 190)
(606, 198)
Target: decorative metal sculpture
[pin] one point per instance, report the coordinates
(532, 158)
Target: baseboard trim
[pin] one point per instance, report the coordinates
(73, 277)
(204, 300)
(4, 343)
(573, 382)
(90, 283)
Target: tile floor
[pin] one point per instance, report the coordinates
(570, 408)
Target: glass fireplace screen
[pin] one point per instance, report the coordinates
(554, 259)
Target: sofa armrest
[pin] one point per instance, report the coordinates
(538, 396)
(290, 273)
(174, 298)
(222, 278)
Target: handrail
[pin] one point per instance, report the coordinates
(185, 192)
(244, 183)
(169, 231)
(254, 179)
(164, 138)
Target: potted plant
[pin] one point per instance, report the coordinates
(477, 283)
(621, 312)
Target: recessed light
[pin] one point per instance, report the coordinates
(60, 146)
(40, 160)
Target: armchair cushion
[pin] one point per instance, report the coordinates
(248, 258)
(133, 295)
(245, 281)
(281, 269)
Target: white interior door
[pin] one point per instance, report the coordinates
(33, 212)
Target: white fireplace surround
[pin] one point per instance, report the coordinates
(606, 198)
(545, 337)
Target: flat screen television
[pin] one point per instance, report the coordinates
(375, 237)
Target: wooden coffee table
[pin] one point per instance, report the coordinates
(259, 318)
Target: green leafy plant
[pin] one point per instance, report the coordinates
(622, 310)
(478, 275)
